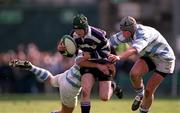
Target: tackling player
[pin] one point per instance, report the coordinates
(155, 55)
(93, 40)
(69, 82)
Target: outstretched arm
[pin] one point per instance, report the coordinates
(125, 55)
(83, 62)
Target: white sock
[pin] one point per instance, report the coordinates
(140, 91)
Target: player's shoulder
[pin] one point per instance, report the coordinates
(141, 31)
(117, 36)
(97, 32)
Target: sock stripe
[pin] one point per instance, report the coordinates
(139, 90)
(40, 73)
(44, 76)
(33, 70)
(85, 103)
(143, 110)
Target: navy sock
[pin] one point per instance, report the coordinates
(85, 107)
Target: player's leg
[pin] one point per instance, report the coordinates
(138, 70)
(87, 82)
(64, 109)
(151, 87)
(68, 94)
(42, 74)
(163, 68)
(105, 90)
(106, 84)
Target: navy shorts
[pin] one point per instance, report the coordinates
(96, 72)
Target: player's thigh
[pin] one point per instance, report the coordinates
(87, 81)
(68, 93)
(53, 80)
(66, 109)
(139, 68)
(69, 96)
(105, 88)
(153, 83)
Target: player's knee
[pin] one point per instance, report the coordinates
(104, 97)
(85, 92)
(54, 81)
(134, 75)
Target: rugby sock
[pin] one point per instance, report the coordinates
(85, 107)
(40, 73)
(140, 91)
(143, 110)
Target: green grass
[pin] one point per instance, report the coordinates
(48, 103)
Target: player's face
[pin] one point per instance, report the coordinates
(80, 32)
(126, 34)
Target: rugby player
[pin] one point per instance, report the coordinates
(155, 55)
(93, 40)
(68, 82)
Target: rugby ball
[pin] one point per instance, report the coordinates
(70, 45)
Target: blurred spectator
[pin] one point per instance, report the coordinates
(21, 81)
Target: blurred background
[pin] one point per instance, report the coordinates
(31, 29)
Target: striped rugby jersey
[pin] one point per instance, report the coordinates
(148, 42)
(94, 42)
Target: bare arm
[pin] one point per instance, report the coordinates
(101, 67)
(129, 52)
(83, 62)
(125, 55)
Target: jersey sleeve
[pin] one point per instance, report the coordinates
(140, 41)
(116, 39)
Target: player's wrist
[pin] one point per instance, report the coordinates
(118, 57)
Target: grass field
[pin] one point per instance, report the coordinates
(48, 103)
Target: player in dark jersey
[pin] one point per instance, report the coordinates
(93, 40)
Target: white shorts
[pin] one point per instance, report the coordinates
(68, 93)
(164, 66)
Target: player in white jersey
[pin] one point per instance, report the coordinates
(155, 54)
(69, 82)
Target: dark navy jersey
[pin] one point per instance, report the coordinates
(94, 42)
